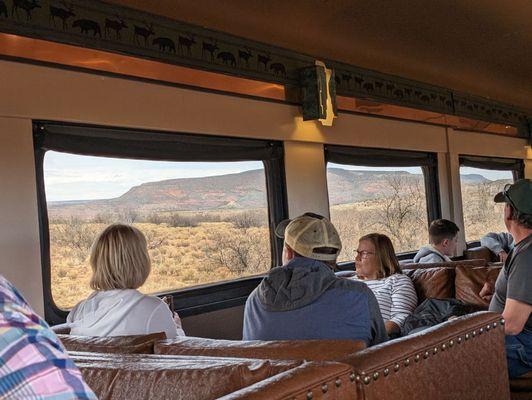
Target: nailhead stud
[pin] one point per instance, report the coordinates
(407, 362)
(416, 358)
(352, 377)
(386, 371)
(338, 383)
(494, 325)
(435, 350)
(451, 343)
(375, 375)
(488, 327)
(467, 336)
(474, 333)
(367, 380)
(309, 396)
(324, 388)
(459, 339)
(443, 347)
(426, 355)
(502, 321)
(396, 367)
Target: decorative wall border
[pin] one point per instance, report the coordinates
(103, 26)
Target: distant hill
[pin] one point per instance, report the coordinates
(245, 190)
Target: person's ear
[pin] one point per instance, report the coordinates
(507, 212)
(445, 242)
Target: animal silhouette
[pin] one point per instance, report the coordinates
(62, 13)
(114, 25)
(264, 60)
(87, 25)
(26, 5)
(165, 43)
(278, 69)
(210, 48)
(185, 42)
(144, 32)
(245, 55)
(3, 8)
(227, 58)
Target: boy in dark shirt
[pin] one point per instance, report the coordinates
(513, 290)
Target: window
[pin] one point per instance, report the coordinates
(480, 180)
(382, 191)
(204, 221)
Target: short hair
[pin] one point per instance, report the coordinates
(522, 219)
(385, 254)
(441, 229)
(119, 259)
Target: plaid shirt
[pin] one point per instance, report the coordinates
(33, 363)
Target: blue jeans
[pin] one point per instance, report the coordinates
(519, 353)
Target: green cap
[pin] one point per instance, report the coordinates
(518, 195)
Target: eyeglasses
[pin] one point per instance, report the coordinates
(363, 253)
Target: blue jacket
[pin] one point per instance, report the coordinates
(305, 300)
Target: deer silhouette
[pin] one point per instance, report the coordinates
(210, 48)
(62, 13)
(245, 55)
(114, 25)
(87, 25)
(185, 42)
(165, 43)
(227, 58)
(278, 69)
(26, 5)
(144, 32)
(3, 8)
(264, 60)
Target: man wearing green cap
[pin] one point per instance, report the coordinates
(513, 289)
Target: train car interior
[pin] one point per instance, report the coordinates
(204, 124)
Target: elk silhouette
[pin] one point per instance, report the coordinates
(227, 58)
(210, 48)
(144, 32)
(278, 69)
(3, 8)
(165, 43)
(87, 25)
(26, 5)
(185, 42)
(62, 13)
(245, 55)
(114, 25)
(264, 60)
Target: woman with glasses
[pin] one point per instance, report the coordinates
(378, 267)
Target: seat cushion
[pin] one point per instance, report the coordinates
(523, 384)
(432, 283)
(469, 282)
(316, 350)
(134, 344)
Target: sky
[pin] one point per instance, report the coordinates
(75, 177)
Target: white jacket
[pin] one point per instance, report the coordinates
(121, 312)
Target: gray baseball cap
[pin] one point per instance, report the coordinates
(518, 195)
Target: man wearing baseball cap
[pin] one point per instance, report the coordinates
(513, 288)
(303, 299)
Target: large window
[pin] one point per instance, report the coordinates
(366, 196)
(204, 221)
(480, 180)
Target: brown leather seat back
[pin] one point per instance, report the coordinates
(463, 359)
(480, 253)
(135, 377)
(133, 344)
(450, 264)
(324, 380)
(316, 350)
(469, 282)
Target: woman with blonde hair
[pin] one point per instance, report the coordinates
(120, 265)
(377, 266)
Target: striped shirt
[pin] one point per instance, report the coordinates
(33, 363)
(396, 297)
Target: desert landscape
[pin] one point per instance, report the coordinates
(202, 230)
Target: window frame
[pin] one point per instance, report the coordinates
(86, 139)
(378, 157)
(515, 165)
